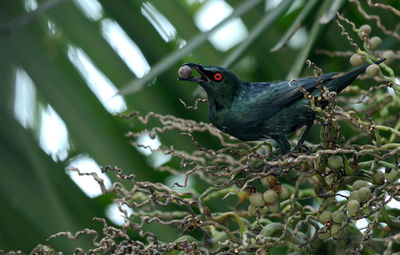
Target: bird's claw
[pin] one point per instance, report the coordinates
(301, 148)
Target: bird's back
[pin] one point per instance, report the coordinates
(267, 108)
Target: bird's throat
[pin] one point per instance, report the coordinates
(218, 106)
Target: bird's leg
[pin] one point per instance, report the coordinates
(283, 144)
(300, 146)
(285, 148)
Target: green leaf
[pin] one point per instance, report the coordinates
(295, 25)
(171, 59)
(260, 29)
(315, 31)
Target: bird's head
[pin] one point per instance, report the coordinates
(219, 83)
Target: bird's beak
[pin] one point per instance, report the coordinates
(199, 68)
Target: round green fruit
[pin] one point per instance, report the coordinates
(256, 199)
(324, 235)
(270, 196)
(378, 178)
(325, 216)
(252, 210)
(336, 231)
(365, 29)
(264, 210)
(338, 216)
(274, 208)
(357, 60)
(390, 175)
(358, 184)
(364, 193)
(374, 43)
(353, 206)
(372, 70)
(267, 180)
(355, 195)
(335, 162)
(285, 193)
(389, 55)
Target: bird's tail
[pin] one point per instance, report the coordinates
(340, 83)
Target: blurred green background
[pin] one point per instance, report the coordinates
(62, 61)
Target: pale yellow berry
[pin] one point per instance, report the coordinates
(185, 72)
(336, 231)
(358, 184)
(268, 180)
(256, 199)
(353, 206)
(378, 177)
(374, 43)
(324, 235)
(372, 70)
(335, 162)
(270, 196)
(325, 216)
(274, 208)
(365, 29)
(338, 216)
(285, 192)
(357, 60)
(252, 210)
(354, 195)
(390, 175)
(364, 193)
(389, 55)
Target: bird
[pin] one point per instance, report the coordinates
(253, 111)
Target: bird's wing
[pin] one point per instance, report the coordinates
(262, 100)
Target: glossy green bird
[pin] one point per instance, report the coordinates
(253, 111)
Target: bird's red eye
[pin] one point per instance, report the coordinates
(218, 77)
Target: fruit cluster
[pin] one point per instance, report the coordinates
(370, 44)
(269, 200)
(333, 216)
